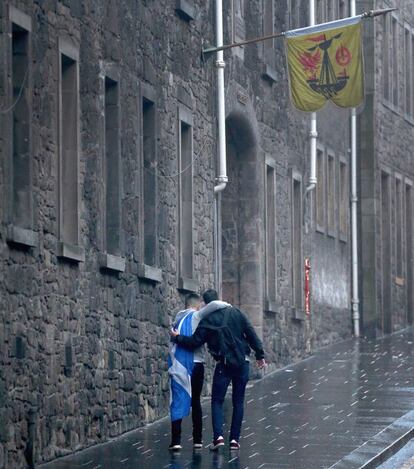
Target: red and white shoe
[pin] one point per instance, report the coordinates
(217, 443)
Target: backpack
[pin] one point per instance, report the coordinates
(232, 349)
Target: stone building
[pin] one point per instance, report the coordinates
(107, 209)
(386, 129)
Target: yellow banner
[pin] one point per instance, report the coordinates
(326, 64)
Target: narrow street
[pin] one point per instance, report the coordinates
(310, 415)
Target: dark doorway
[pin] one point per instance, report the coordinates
(242, 234)
(385, 320)
(409, 251)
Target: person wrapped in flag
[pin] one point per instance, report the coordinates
(186, 371)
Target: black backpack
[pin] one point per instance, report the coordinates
(232, 350)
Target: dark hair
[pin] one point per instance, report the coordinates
(209, 296)
(191, 298)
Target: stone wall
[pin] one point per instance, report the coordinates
(83, 350)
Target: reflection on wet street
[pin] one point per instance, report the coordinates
(309, 415)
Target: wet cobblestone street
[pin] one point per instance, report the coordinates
(310, 415)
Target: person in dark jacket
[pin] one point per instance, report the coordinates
(243, 331)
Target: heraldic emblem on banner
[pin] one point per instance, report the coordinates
(325, 63)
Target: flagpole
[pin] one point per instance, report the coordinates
(354, 207)
(211, 50)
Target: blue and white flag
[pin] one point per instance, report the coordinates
(180, 369)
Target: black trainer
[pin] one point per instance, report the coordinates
(173, 447)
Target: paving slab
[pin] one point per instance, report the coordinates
(344, 405)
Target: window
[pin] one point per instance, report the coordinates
(394, 56)
(185, 158)
(69, 151)
(297, 242)
(331, 199)
(320, 11)
(150, 181)
(408, 72)
(409, 250)
(386, 57)
(238, 27)
(331, 13)
(398, 227)
(343, 200)
(22, 202)
(268, 28)
(412, 74)
(270, 233)
(112, 168)
(293, 14)
(320, 191)
(342, 9)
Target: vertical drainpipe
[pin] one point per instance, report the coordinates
(313, 134)
(354, 202)
(221, 179)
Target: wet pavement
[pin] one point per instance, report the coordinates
(310, 415)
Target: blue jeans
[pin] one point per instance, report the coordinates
(221, 380)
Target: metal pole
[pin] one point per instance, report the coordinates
(354, 206)
(221, 112)
(212, 50)
(221, 179)
(313, 134)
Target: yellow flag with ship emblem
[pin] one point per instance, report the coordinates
(325, 63)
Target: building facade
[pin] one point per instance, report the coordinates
(386, 130)
(108, 143)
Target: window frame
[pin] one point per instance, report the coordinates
(271, 299)
(149, 272)
(344, 204)
(331, 202)
(68, 250)
(19, 233)
(320, 185)
(185, 282)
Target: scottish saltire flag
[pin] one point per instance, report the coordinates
(325, 63)
(180, 369)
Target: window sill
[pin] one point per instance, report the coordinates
(298, 314)
(71, 252)
(22, 236)
(343, 237)
(148, 272)
(400, 281)
(269, 73)
(331, 234)
(320, 229)
(188, 284)
(184, 10)
(111, 262)
(270, 306)
(409, 119)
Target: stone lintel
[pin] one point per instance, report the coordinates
(148, 272)
(71, 252)
(188, 284)
(111, 262)
(185, 9)
(22, 236)
(269, 74)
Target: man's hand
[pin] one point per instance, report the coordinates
(174, 332)
(261, 363)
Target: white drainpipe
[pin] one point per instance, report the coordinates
(313, 134)
(221, 179)
(221, 117)
(354, 205)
